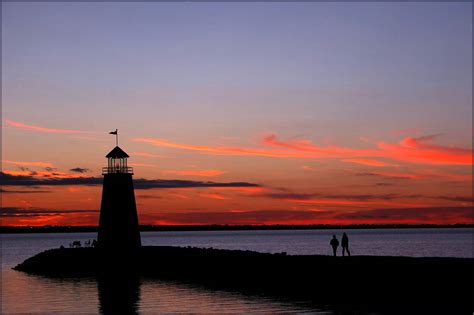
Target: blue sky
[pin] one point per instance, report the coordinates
(403, 59)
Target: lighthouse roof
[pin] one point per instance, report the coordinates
(117, 153)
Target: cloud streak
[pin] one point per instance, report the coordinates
(421, 150)
(23, 126)
(23, 163)
(218, 150)
(41, 174)
(369, 162)
(364, 197)
(204, 173)
(457, 199)
(390, 175)
(213, 196)
(36, 191)
(344, 199)
(148, 155)
(20, 212)
(79, 170)
(233, 217)
(423, 215)
(140, 183)
(411, 150)
(32, 179)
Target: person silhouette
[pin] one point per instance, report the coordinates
(345, 244)
(334, 243)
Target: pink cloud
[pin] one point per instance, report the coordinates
(205, 173)
(20, 125)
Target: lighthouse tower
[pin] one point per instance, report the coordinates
(118, 223)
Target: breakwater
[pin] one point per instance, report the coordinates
(367, 283)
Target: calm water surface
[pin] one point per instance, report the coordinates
(23, 293)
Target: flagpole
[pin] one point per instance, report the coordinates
(116, 137)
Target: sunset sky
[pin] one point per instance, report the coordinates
(298, 113)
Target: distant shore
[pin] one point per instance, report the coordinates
(168, 228)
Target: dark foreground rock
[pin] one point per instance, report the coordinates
(365, 283)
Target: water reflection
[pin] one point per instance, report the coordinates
(23, 293)
(179, 297)
(118, 293)
(127, 294)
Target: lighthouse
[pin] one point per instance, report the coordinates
(118, 223)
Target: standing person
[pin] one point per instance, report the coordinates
(345, 244)
(334, 243)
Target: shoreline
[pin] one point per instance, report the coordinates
(196, 228)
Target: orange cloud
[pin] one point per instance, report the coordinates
(38, 217)
(413, 150)
(20, 125)
(314, 151)
(419, 150)
(422, 174)
(73, 219)
(205, 173)
(213, 196)
(432, 173)
(392, 174)
(341, 202)
(368, 162)
(40, 164)
(246, 189)
(423, 215)
(219, 150)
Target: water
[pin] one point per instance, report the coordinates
(23, 293)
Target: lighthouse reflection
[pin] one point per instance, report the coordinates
(136, 296)
(118, 293)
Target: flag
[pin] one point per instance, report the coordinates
(113, 132)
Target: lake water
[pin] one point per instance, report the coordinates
(23, 293)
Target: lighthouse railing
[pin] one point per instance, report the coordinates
(117, 170)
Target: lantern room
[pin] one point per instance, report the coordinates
(117, 162)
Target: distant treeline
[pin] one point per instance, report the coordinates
(149, 228)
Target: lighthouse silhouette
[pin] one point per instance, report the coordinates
(118, 223)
